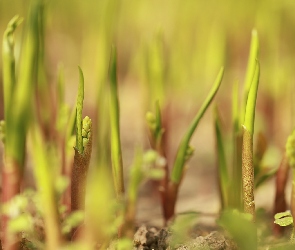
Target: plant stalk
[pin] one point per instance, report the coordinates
(116, 154)
(247, 148)
(79, 175)
(46, 190)
(248, 173)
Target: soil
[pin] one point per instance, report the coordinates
(151, 238)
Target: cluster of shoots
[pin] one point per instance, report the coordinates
(84, 206)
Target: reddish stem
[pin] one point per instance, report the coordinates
(11, 180)
(280, 204)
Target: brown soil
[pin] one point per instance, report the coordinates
(151, 238)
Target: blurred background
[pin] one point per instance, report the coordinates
(172, 50)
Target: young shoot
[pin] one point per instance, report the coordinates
(82, 151)
(116, 153)
(183, 150)
(247, 149)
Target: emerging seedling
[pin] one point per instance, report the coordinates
(170, 186)
(251, 88)
(247, 149)
(82, 152)
(17, 100)
(46, 189)
(224, 183)
(116, 154)
(146, 166)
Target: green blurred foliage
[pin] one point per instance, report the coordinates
(185, 43)
(232, 220)
(198, 36)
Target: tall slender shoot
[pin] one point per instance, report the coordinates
(116, 154)
(247, 149)
(83, 151)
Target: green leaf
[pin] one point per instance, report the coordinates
(79, 109)
(251, 101)
(72, 221)
(184, 144)
(136, 175)
(22, 223)
(156, 174)
(264, 176)
(116, 153)
(2, 131)
(154, 122)
(9, 79)
(285, 221)
(222, 165)
(240, 225)
(23, 93)
(180, 228)
(283, 214)
(150, 156)
(251, 68)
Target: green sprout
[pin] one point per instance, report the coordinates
(251, 68)
(183, 147)
(239, 118)
(155, 69)
(283, 219)
(9, 62)
(116, 153)
(169, 187)
(236, 193)
(83, 151)
(247, 150)
(155, 127)
(46, 188)
(145, 166)
(222, 165)
(231, 190)
(2, 131)
(18, 93)
(79, 109)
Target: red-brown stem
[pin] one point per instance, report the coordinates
(127, 229)
(11, 180)
(170, 202)
(164, 194)
(66, 171)
(280, 204)
(237, 173)
(78, 177)
(167, 198)
(78, 183)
